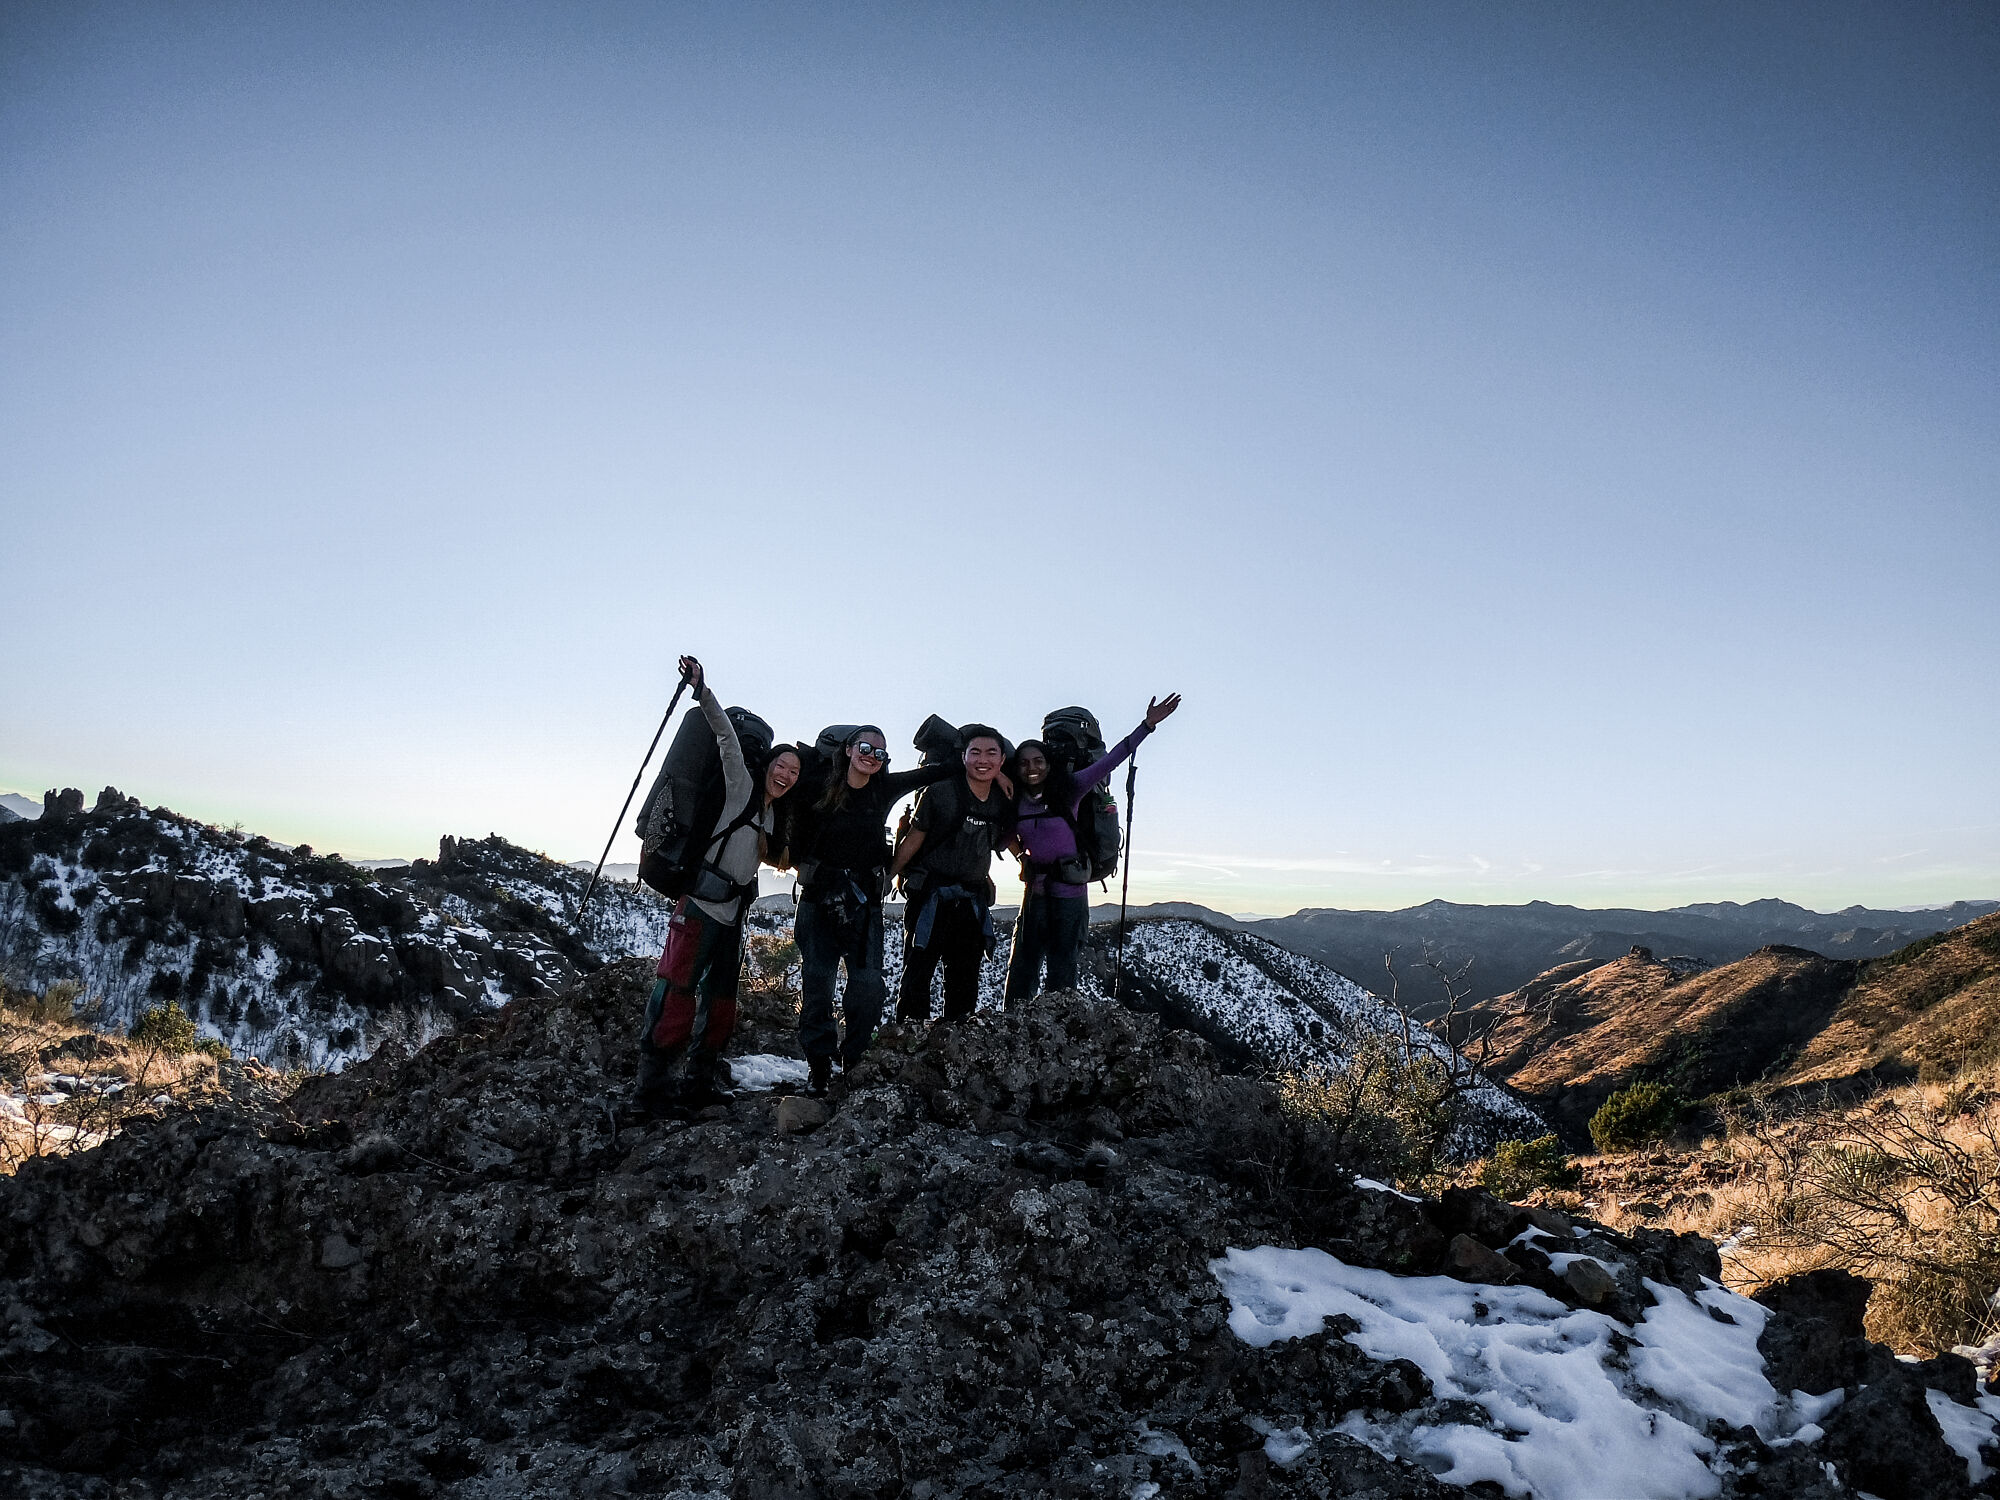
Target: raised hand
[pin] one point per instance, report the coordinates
(1157, 709)
(691, 670)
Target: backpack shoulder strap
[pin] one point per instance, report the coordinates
(752, 810)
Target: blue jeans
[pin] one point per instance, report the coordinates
(1048, 928)
(823, 944)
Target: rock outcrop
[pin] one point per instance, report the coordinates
(987, 1270)
(298, 958)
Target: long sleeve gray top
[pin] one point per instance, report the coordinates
(739, 854)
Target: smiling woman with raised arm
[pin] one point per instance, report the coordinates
(842, 857)
(692, 1012)
(1055, 907)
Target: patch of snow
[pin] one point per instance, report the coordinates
(1966, 1429)
(1382, 1187)
(1735, 1243)
(761, 1071)
(1284, 1446)
(1575, 1404)
(1161, 1443)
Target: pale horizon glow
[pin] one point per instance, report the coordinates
(1553, 450)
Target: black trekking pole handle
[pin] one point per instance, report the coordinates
(672, 704)
(1125, 881)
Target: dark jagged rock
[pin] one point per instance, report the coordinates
(60, 807)
(986, 1272)
(1819, 1343)
(456, 1268)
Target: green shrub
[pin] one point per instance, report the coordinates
(61, 1001)
(215, 1047)
(1633, 1116)
(166, 1028)
(1517, 1168)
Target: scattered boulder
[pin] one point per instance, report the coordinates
(796, 1115)
(1468, 1260)
(1593, 1285)
(1818, 1344)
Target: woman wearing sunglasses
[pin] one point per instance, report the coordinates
(841, 851)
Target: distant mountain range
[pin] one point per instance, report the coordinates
(13, 805)
(1506, 946)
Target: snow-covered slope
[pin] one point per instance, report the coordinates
(299, 959)
(1245, 993)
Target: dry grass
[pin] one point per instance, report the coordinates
(67, 1085)
(1903, 1188)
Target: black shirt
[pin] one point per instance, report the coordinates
(850, 837)
(961, 833)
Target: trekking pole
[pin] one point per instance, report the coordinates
(672, 704)
(1125, 881)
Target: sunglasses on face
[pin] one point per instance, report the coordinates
(865, 751)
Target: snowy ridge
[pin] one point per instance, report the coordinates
(308, 961)
(301, 960)
(1290, 1011)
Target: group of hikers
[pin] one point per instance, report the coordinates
(822, 811)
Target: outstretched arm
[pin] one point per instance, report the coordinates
(900, 784)
(737, 787)
(1157, 710)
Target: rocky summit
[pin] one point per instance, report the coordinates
(1042, 1253)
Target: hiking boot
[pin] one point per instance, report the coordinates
(819, 1076)
(716, 1082)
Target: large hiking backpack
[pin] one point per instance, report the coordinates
(942, 743)
(1073, 738)
(677, 820)
(1075, 742)
(938, 742)
(833, 739)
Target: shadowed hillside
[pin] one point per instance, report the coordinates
(1782, 1017)
(1569, 1038)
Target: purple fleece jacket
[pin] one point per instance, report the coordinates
(1047, 836)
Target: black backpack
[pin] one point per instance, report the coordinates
(677, 821)
(1073, 738)
(942, 743)
(1075, 742)
(939, 743)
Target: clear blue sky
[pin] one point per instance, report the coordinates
(1553, 448)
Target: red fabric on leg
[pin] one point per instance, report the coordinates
(676, 1023)
(721, 1022)
(677, 959)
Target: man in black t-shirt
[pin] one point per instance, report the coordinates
(958, 827)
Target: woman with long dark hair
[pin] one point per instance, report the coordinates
(1055, 904)
(841, 853)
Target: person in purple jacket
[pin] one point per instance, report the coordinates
(1055, 906)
